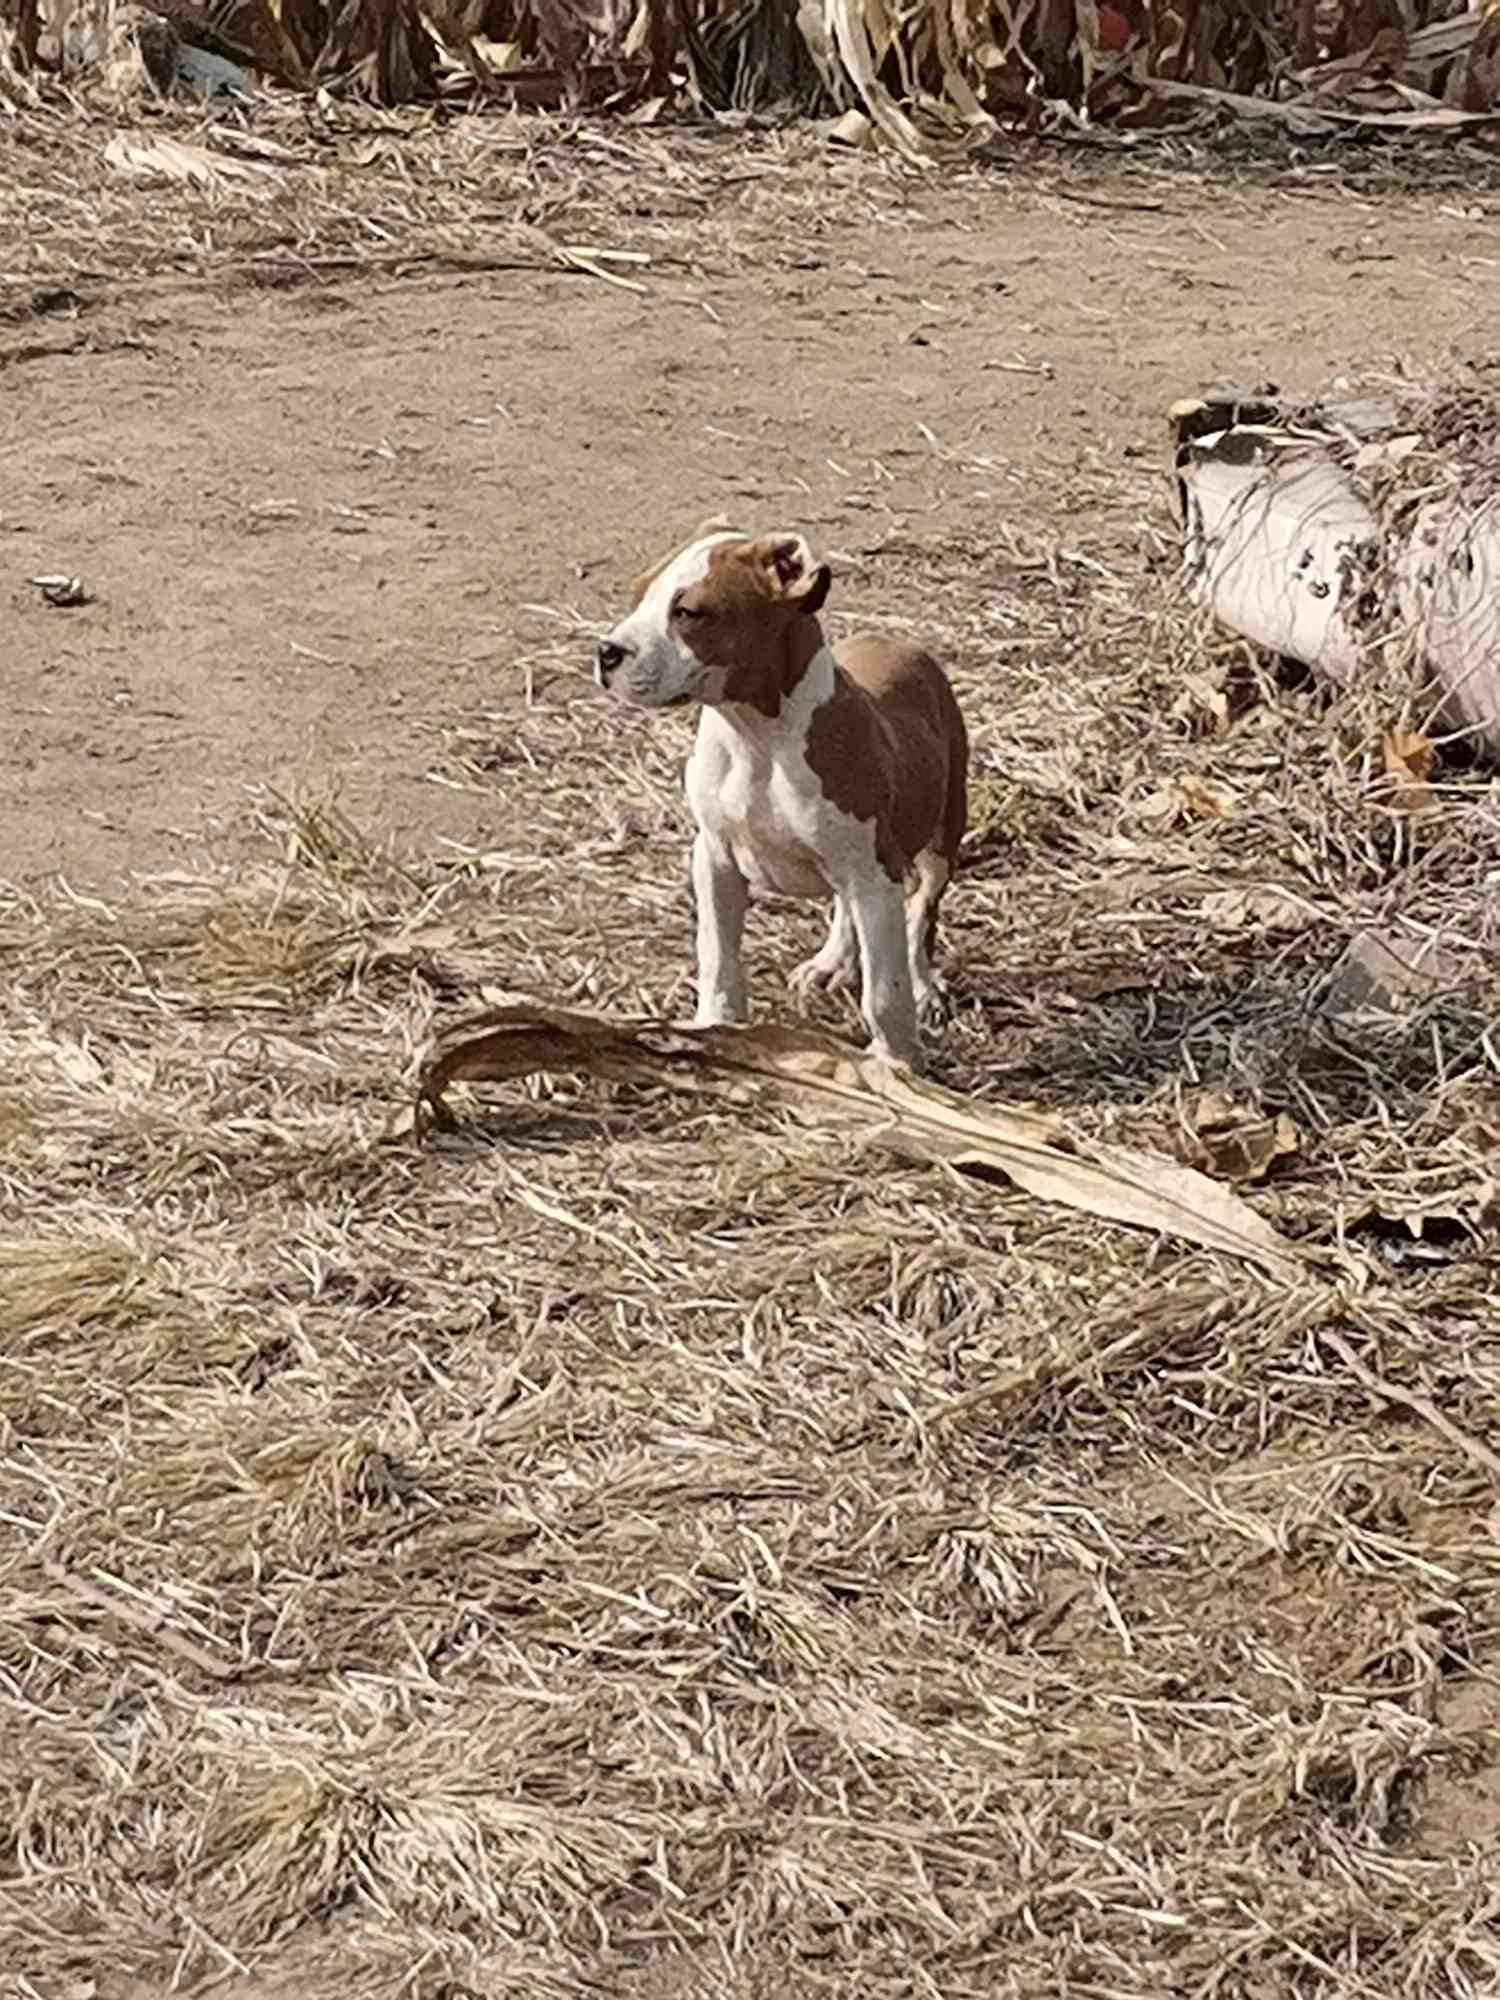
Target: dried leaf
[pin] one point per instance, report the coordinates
(823, 1077)
(174, 160)
(1183, 800)
(1409, 759)
(1252, 909)
(1202, 707)
(1234, 1142)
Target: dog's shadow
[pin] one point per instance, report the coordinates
(1258, 1032)
(493, 1123)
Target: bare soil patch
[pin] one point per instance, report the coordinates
(318, 520)
(572, 1556)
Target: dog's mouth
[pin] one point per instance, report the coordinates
(678, 701)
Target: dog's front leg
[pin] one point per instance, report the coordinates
(721, 895)
(887, 1000)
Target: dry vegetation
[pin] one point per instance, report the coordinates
(632, 1545)
(922, 74)
(629, 1545)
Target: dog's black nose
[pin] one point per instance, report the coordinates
(610, 658)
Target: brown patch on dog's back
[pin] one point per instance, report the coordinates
(891, 746)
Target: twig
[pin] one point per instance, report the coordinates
(1421, 1406)
(118, 1606)
(1147, 204)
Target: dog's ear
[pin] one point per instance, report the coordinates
(792, 572)
(639, 585)
(716, 524)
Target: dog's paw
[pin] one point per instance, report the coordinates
(934, 1006)
(910, 1057)
(805, 979)
(820, 975)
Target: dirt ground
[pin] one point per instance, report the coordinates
(322, 526)
(621, 1545)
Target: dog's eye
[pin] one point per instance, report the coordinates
(686, 611)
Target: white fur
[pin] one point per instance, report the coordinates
(657, 671)
(765, 824)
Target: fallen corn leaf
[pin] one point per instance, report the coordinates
(823, 1078)
(173, 160)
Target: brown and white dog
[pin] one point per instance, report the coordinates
(817, 772)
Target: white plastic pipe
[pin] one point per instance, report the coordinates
(1271, 538)
(1274, 528)
(1448, 593)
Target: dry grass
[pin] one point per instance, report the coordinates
(626, 1546)
(311, 197)
(305, 195)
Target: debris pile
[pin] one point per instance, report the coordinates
(1360, 537)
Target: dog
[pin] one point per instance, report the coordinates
(818, 772)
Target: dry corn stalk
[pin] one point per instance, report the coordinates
(966, 63)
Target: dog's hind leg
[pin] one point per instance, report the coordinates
(932, 872)
(933, 869)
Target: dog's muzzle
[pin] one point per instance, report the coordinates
(608, 660)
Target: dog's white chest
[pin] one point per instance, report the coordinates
(765, 809)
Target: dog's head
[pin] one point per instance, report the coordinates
(725, 619)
